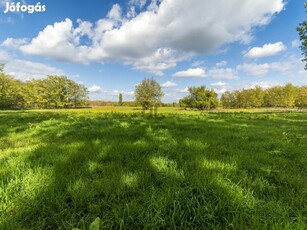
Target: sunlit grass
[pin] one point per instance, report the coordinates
(181, 169)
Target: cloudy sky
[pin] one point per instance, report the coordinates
(111, 45)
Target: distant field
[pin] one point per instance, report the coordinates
(181, 169)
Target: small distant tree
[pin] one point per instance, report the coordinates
(148, 94)
(1, 67)
(302, 30)
(200, 98)
(120, 99)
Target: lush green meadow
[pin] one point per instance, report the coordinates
(177, 170)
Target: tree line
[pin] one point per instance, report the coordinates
(61, 92)
(148, 94)
(51, 92)
(287, 96)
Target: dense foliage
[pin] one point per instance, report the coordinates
(200, 98)
(51, 92)
(148, 93)
(287, 96)
(10, 92)
(302, 30)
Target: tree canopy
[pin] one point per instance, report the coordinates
(148, 93)
(200, 98)
(10, 92)
(287, 96)
(51, 92)
(302, 30)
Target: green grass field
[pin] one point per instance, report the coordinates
(177, 170)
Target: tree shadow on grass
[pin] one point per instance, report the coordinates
(133, 172)
(12, 121)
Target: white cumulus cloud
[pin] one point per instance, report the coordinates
(219, 84)
(197, 72)
(115, 13)
(291, 67)
(95, 89)
(14, 43)
(266, 50)
(168, 84)
(161, 26)
(59, 41)
(4, 56)
(27, 70)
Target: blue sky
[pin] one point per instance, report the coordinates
(110, 46)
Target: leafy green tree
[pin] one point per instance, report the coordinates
(38, 95)
(51, 92)
(60, 92)
(273, 97)
(301, 97)
(148, 94)
(257, 97)
(10, 92)
(245, 98)
(302, 30)
(288, 95)
(184, 102)
(56, 91)
(120, 99)
(28, 94)
(280, 96)
(1, 67)
(78, 95)
(249, 98)
(238, 99)
(228, 100)
(200, 98)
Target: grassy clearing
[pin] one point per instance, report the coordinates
(185, 170)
